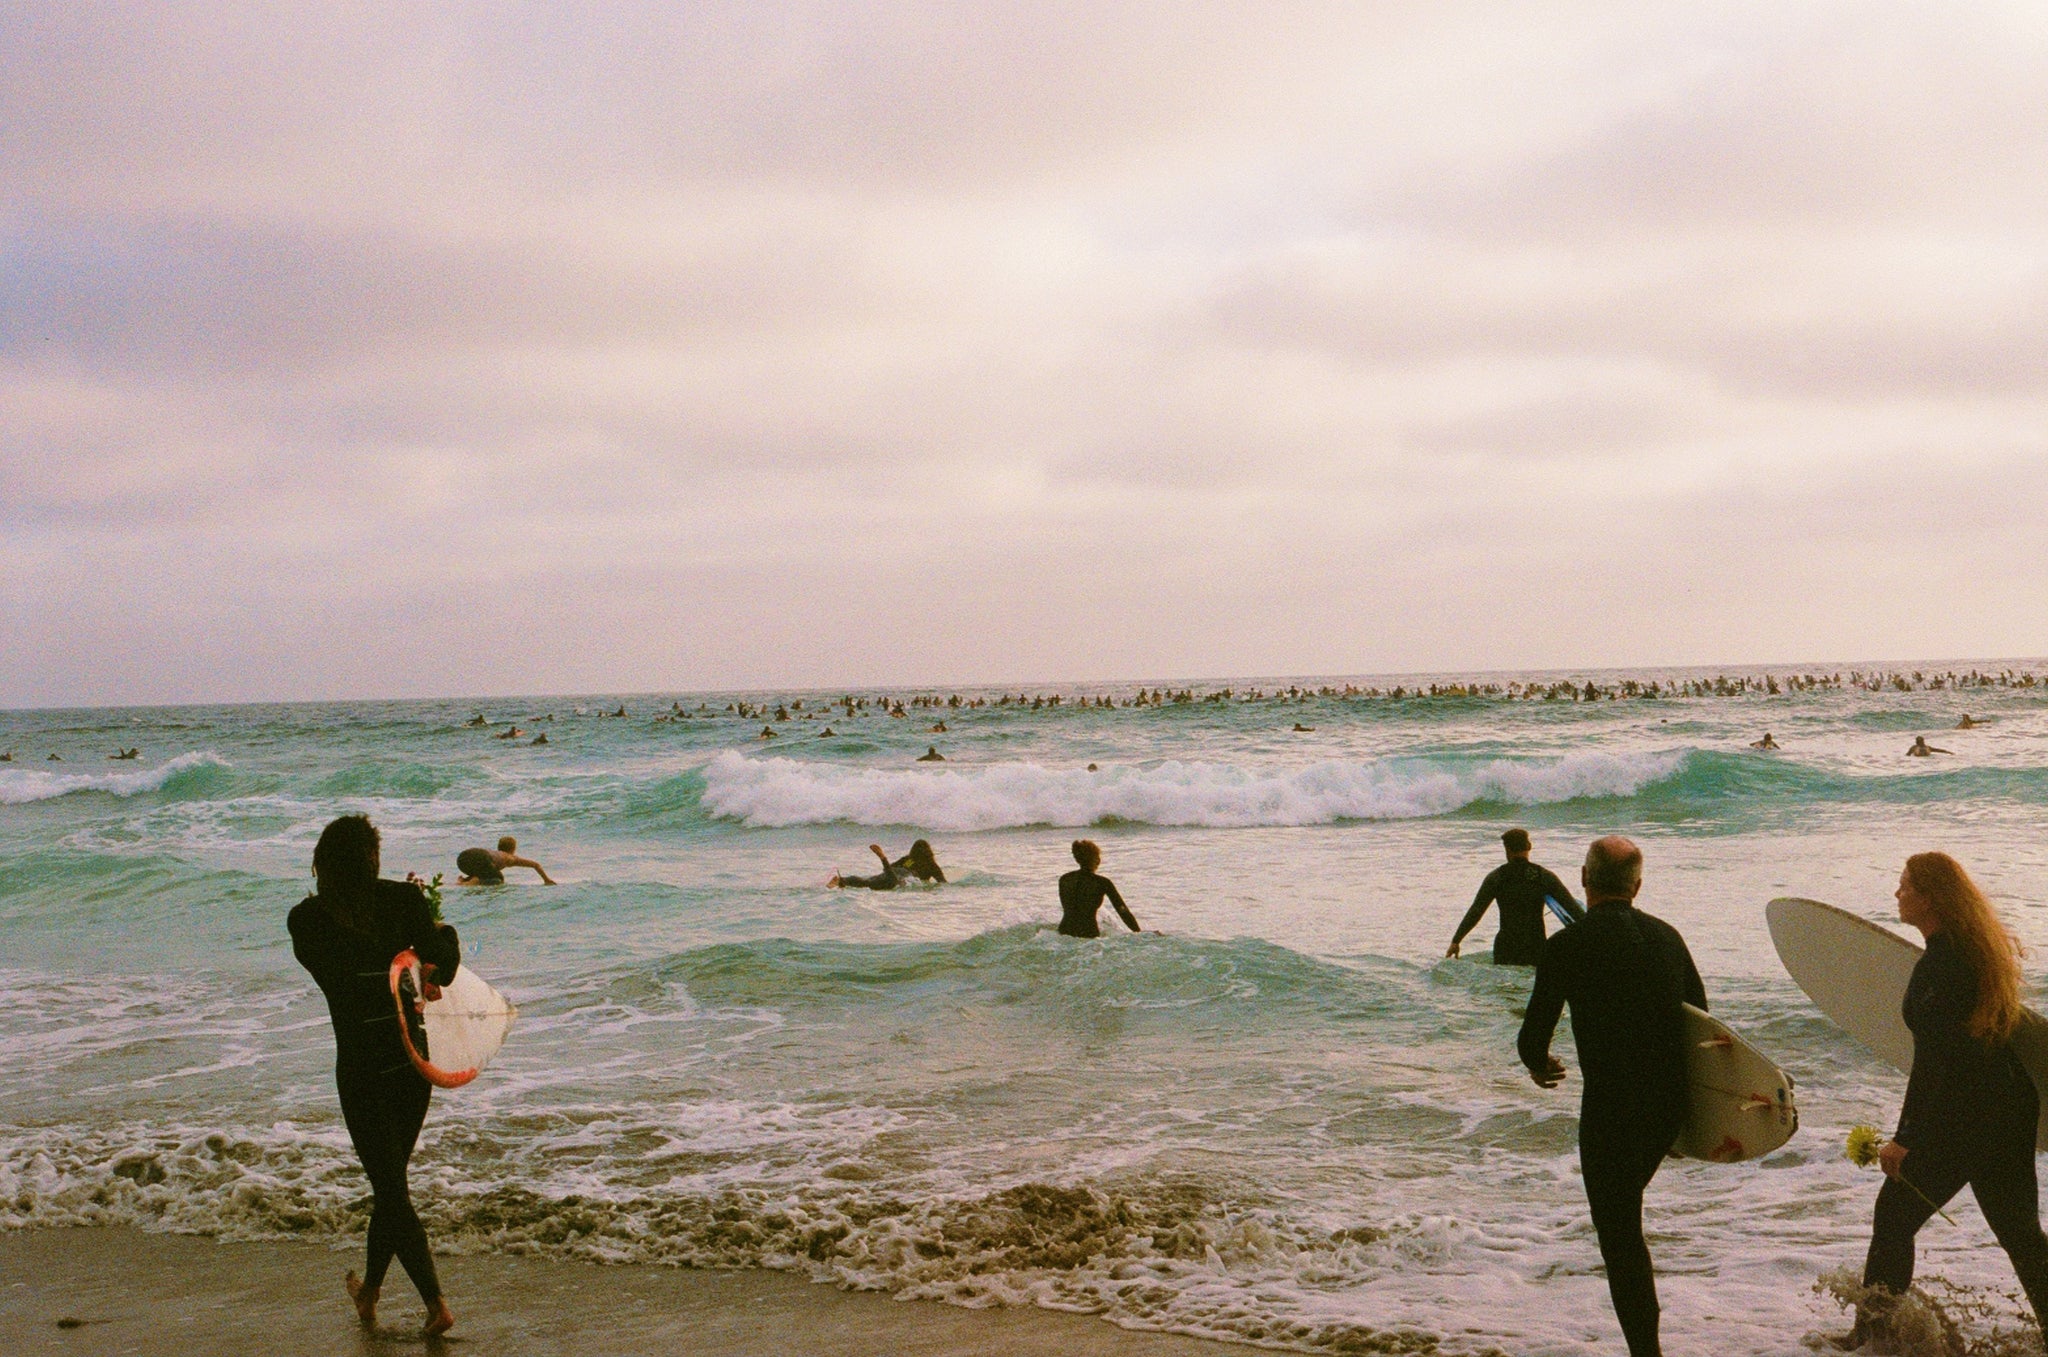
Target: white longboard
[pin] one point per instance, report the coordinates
(1856, 972)
(1740, 1105)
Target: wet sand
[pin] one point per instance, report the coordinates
(181, 1296)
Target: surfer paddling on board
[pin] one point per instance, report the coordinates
(1920, 749)
(1626, 976)
(1520, 887)
(918, 862)
(1082, 892)
(485, 867)
(1970, 1111)
(345, 934)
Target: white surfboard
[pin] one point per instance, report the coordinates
(1856, 972)
(465, 1026)
(1740, 1104)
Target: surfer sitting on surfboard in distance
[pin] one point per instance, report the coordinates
(483, 867)
(1627, 977)
(345, 934)
(1520, 886)
(1082, 893)
(1971, 1111)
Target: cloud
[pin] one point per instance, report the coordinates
(1084, 339)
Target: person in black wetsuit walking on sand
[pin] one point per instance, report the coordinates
(1971, 1111)
(345, 934)
(1082, 893)
(1519, 885)
(1626, 976)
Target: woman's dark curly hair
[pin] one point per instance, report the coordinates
(345, 863)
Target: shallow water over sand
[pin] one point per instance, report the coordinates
(1280, 1116)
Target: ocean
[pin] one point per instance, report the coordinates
(1278, 1115)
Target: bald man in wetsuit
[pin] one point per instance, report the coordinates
(1626, 976)
(1519, 886)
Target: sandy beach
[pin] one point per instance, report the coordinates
(182, 1296)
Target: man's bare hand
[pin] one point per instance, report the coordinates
(1451, 951)
(1551, 1075)
(1891, 1158)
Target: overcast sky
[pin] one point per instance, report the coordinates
(350, 350)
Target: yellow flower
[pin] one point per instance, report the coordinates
(1864, 1143)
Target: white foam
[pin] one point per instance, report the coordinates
(19, 786)
(777, 792)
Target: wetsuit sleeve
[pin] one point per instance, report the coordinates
(1487, 890)
(435, 944)
(1554, 886)
(1936, 1108)
(1546, 1005)
(305, 946)
(1695, 989)
(1122, 910)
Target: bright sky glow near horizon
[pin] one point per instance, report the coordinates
(357, 350)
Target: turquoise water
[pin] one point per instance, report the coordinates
(1279, 1115)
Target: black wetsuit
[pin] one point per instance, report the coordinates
(383, 1099)
(1519, 885)
(1625, 975)
(1969, 1117)
(888, 879)
(1081, 896)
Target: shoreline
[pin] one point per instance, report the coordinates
(170, 1295)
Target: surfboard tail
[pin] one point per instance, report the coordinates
(406, 966)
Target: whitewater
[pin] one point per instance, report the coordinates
(1278, 1115)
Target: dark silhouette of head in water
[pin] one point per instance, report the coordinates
(922, 863)
(1087, 854)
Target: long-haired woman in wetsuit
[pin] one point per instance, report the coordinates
(918, 862)
(1970, 1108)
(1082, 893)
(345, 934)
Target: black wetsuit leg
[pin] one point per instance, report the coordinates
(885, 881)
(2003, 1181)
(1618, 1161)
(384, 1112)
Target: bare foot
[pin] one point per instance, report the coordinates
(365, 1298)
(440, 1319)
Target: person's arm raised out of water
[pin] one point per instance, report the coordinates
(1123, 911)
(1472, 915)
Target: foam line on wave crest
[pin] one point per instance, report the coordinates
(19, 786)
(777, 792)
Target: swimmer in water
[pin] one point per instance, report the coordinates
(931, 755)
(1082, 892)
(511, 734)
(1765, 743)
(483, 867)
(918, 862)
(1921, 749)
(541, 738)
(1968, 722)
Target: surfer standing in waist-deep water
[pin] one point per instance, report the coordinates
(1082, 893)
(1971, 1111)
(1519, 885)
(918, 862)
(345, 934)
(1626, 976)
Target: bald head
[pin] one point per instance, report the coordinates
(1613, 870)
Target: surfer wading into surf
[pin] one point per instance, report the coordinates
(1522, 889)
(1082, 892)
(345, 934)
(1627, 976)
(1971, 1112)
(486, 867)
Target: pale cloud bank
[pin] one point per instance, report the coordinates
(834, 344)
